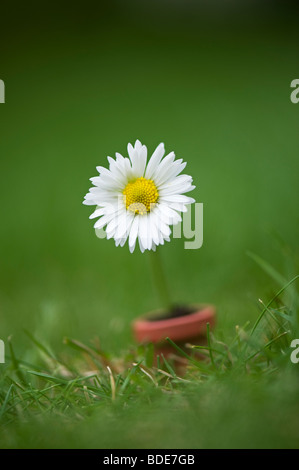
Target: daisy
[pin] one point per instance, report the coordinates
(140, 200)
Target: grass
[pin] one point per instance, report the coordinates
(241, 392)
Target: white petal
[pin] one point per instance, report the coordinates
(117, 171)
(154, 161)
(122, 224)
(134, 157)
(176, 168)
(176, 189)
(142, 160)
(89, 202)
(124, 165)
(138, 156)
(107, 182)
(138, 145)
(166, 169)
(163, 168)
(169, 215)
(179, 198)
(163, 228)
(161, 238)
(176, 181)
(121, 162)
(130, 219)
(123, 240)
(102, 200)
(103, 221)
(141, 245)
(110, 229)
(143, 231)
(133, 233)
(175, 205)
(154, 230)
(105, 175)
(111, 212)
(97, 213)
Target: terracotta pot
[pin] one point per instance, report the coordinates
(187, 328)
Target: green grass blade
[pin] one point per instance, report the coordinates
(183, 353)
(267, 345)
(271, 301)
(268, 268)
(15, 363)
(3, 407)
(209, 344)
(40, 346)
(168, 366)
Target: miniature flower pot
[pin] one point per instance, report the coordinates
(183, 325)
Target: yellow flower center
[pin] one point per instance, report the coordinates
(140, 195)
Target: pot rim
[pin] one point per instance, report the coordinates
(180, 328)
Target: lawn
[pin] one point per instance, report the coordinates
(217, 92)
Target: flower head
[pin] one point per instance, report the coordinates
(137, 199)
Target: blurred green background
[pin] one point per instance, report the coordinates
(211, 81)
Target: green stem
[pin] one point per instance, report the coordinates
(159, 279)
